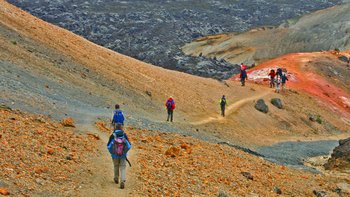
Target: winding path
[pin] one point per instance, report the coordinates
(230, 109)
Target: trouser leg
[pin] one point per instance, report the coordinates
(168, 115)
(272, 82)
(122, 166)
(222, 111)
(171, 115)
(116, 163)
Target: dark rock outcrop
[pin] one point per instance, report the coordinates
(248, 175)
(344, 59)
(261, 106)
(340, 158)
(277, 102)
(222, 194)
(320, 193)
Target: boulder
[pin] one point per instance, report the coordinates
(277, 102)
(173, 151)
(277, 190)
(344, 58)
(248, 175)
(222, 194)
(320, 193)
(261, 106)
(68, 122)
(4, 192)
(340, 158)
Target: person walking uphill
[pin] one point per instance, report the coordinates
(284, 80)
(223, 103)
(118, 146)
(243, 76)
(170, 106)
(272, 75)
(118, 117)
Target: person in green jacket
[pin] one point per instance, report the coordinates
(223, 103)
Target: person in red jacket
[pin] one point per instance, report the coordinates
(272, 75)
(170, 106)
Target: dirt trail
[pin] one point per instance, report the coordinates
(230, 109)
(101, 183)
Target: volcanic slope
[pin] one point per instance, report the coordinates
(326, 29)
(49, 70)
(321, 75)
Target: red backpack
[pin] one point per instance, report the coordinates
(119, 146)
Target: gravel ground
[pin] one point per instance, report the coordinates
(294, 153)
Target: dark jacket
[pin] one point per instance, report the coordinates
(284, 78)
(243, 74)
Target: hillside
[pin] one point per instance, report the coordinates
(321, 75)
(326, 29)
(50, 71)
(83, 80)
(42, 169)
(153, 32)
(40, 157)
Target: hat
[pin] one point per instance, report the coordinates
(118, 133)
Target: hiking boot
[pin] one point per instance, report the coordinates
(122, 185)
(116, 181)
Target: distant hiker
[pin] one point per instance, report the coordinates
(243, 77)
(170, 106)
(279, 73)
(118, 146)
(243, 67)
(284, 79)
(278, 81)
(223, 103)
(272, 75)
(118, 117)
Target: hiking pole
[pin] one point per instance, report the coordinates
(128, 161)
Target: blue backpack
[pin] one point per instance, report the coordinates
(118, 117)
(169, 104)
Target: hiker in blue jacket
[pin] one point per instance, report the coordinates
(118, 146)
(118, 117)
(284, 80)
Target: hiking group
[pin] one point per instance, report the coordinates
(118, 145)
(278, 79)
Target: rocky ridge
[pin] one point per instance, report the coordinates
(310, 33)
(340, 158)
(153, 32)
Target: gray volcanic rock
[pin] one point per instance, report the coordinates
(344, 59)
(154, 31)
(277, 102)
(340, 158)
(261, 106)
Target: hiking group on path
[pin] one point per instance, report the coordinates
(278, 79)
(118, 144)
